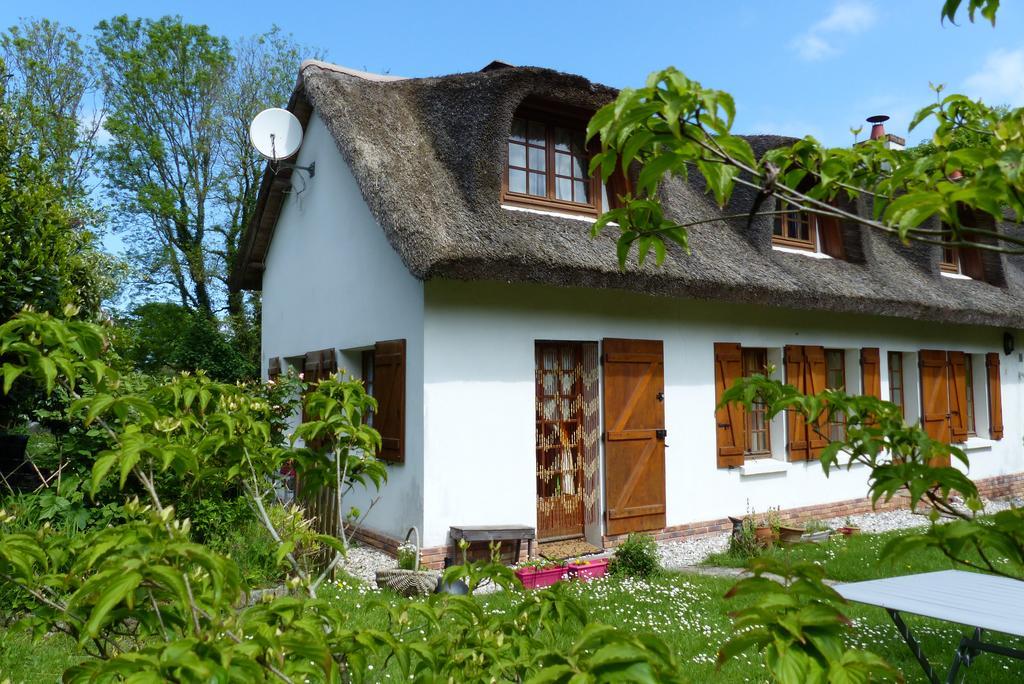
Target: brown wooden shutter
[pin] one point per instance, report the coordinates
(995, 396)
(831, 237)
(935, 397)
(318, 365)
(870, 372)
(971, 263)
(797, 443)
(816, 372)
(389, 389)
(634, 420)
(731, 429)
(957, 396)
(273, 367)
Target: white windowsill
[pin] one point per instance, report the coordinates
(804, 252)
(977, 444)
(843, 459)
(763, 466)
(955, 276)
(559, 214)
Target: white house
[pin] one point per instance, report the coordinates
(442, 250)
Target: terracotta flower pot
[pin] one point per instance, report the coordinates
(765, 537)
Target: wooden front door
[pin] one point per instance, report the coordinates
(935, 412)
(560, 439)
(634, 419)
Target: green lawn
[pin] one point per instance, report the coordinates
(850, 559)
(687, 610)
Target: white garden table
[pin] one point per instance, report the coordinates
(984, 602)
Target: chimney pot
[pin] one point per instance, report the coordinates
(878, 126)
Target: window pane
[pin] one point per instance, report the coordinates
(518, 130)
(563, 166)
(582, 191)
(536, 159)
(516, 155)
(579, 167)
(562, 139)
(538, 184)
(516, 180)
(563, 188)
(537, 136)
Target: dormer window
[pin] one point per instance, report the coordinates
(806, 231)
(547, 165)
(961, 260)
(797, 229)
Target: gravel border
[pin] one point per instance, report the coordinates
(676, 555)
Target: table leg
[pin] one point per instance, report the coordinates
(915, 647)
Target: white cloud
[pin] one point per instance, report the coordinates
(848, 17)
(1000, 80)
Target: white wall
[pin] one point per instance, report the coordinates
(332, 280)
(479, 395)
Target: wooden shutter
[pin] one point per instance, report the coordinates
(731, 428)
(870, 372)
(935, 397)
(273, 367)
(318, 365)
(797, 443)
(634, 415)
(957, 396)
(389, 389)
(995, 396)
(815, 370)
(831, 236)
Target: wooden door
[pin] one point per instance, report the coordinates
(634, 419)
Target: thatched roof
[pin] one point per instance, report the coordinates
(428, 156)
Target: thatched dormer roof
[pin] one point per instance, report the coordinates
(428, 155)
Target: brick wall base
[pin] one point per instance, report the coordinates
(990, 488)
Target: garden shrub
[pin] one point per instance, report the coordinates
(636, 557)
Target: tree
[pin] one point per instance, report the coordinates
(52, 91)
(179, 164)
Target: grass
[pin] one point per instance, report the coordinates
(850, 559)
(689, 611)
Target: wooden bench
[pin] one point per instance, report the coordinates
(498, 533)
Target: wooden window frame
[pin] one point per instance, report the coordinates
(836, 422)
(551, 118)
(949, 262)
(756, 408)
(784, 220)
(900, 387)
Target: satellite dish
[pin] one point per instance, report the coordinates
(276, 134)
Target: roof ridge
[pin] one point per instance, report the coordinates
(337, 68)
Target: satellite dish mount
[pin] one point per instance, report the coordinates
(277, 135)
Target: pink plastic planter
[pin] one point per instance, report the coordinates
(588, 571)
(534, 578)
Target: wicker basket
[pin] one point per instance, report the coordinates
(408, 583)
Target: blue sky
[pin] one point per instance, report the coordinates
(795, 68)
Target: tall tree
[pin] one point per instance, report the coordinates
(179, 163)
(53, 93)
(163, 84)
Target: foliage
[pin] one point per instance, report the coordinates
(163, 338)
(407, 557)
(743, 541)
(637, 556)
(797, 628)
(52, 83)
(145, 601)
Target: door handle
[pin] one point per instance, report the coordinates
(660, 396)
(661, 434)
